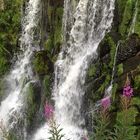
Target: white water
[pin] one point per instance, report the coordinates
(132, 27)
(108, 91)
(68, 18)
(21, 74)
(93, 18)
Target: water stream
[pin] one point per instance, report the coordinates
(93, 18)
(108, 91)
(21, 74)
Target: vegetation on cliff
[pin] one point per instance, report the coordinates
(124, 110)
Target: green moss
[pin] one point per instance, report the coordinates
(92, 71)
(127, 17)
(104, 85)
(124, 124)
(49, 44)
(137, 25)
(50, 12)
(46, 83)
(112, 51)
(9, 30)
(3, 64)
(135, 101)
(137, 82)
(114, 90)
(106, 68)
(121, 6)
(55, 21)
(2, 87)
(40, 65)
(31, 104)
(11, 136)
(58, 26)
(120, 69)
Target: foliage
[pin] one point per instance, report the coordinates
(9, 30)
(127, 17)
(92, 71)
(124, 128)
(112, 51)
(46, 84)
(32, 104)
(120, 69)
(100, 130)
(137, 82)
(55, 132)
(54, 39)
(114, 90)
(40, 63)
(137, 25)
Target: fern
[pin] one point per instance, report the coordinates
(55, 132)
(124, 129)
(101, 131)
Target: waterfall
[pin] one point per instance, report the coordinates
(21, 74)
(108, 91)
(68, 18)
(92, 19)
(132, 27)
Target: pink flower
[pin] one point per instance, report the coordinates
(128, 91)
(84, 138)
(49, 110)
(106, 102)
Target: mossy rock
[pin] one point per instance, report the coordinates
(92, 71)
(42, 63)
(128, 48)
(137, 82)
(10, 18)
(47, 86)
(137, 24)
(127, 17)
(120, 69)
(4, 60)
(58, 27)
(33, 100)
(54, 40)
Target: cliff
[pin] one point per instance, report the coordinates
(99, 73)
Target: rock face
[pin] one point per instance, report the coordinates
(128, 60)
(100, 70)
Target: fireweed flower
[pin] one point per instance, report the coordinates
(128, 91)
(106, 102)
(49, 110)
(85, 138)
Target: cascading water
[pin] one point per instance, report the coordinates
(108, 91)
(68, 18)
(92, 19)
(21, 74)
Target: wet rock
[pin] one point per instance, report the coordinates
(42, 63)
(128, 48)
